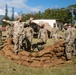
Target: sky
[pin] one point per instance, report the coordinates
(27, 6)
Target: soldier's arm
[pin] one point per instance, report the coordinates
(7, 21)
(28, 21)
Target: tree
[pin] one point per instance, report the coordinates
(12, 17)
(6, 16)
(62, 14)
(72, 9)
(6, 13)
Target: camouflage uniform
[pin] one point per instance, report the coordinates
(69, 40)
(54, 34)
(9, 30)
(74, 45)
(18, 28)
(43, 35)
(28, 35)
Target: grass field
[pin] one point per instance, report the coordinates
(8, 67)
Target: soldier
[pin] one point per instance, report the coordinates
(54, 33)
(28, 35)
(68, 38)
(18, 27)
(74, 45)
(43, 36)
(9, 31)
(73, 37)
(63, 28)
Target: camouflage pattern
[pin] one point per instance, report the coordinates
(55, 34)
(18, 28)
(28, 35)
(43, 35)
(69, 40)
(9, 31)
(74, 37)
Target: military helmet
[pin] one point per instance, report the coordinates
(19, 17)
(65, 24)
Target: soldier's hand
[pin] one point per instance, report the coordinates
(3, 20)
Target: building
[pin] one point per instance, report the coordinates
(50, 22)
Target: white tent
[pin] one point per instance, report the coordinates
(51, 22)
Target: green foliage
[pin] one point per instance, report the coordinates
(12, 17)
(72, 9)
(62, 14)
(6, 16)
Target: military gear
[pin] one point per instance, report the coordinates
(65, 24)
(38, 45)
(19, 17)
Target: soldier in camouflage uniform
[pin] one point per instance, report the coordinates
(43, 36)
(28, 35)
(74, 45)
(73, 37)
(69, 40)
(9, 31)
(18, 27)
(54, 33)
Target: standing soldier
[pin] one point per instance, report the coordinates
(54, 33)
(73, 37)
(9, 31)
(18, 27)
(43, 34)
(74, 45)
(28, 35)
(68, 38)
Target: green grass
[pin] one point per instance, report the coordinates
(8, 67)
